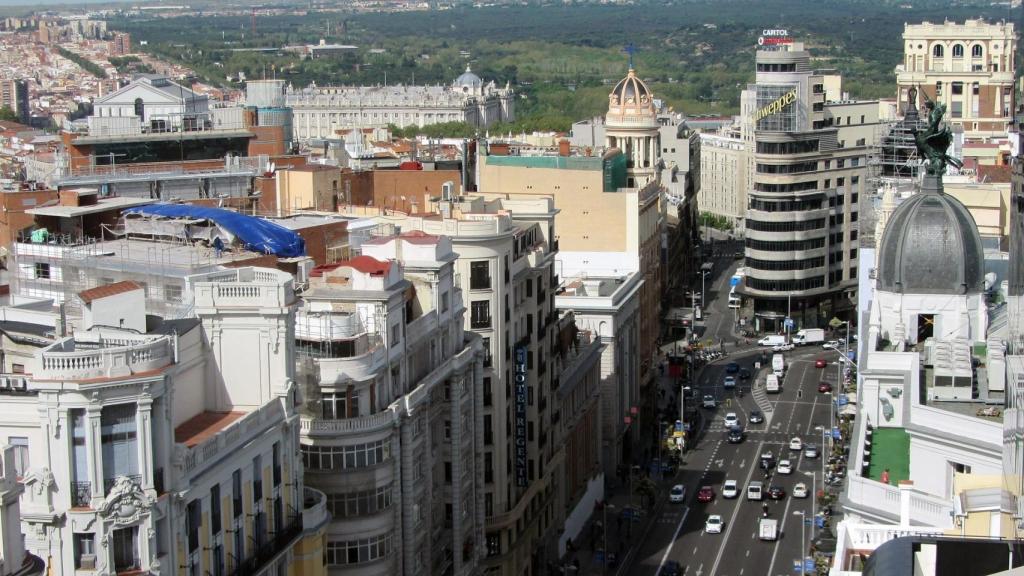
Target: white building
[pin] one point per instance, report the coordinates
(152, 102)
(724, 162)
(319, 111)
(171, 450)
(392, 408)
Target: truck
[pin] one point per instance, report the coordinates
(778, 365)
(768, 529)
(772, 340)
(809, 336)
(772, 384)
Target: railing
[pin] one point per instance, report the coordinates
(328, 326)
(81, 494)
(361, 424)
(231, 437)
(359, 368)
(123, 360)
(885, 499)
(248, 287)
(270, 550)
(979, 430)
(314, 509)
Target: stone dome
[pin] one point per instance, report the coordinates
(631, 97)
(469, 79)
(931, 245)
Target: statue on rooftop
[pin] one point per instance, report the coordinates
(935, 140)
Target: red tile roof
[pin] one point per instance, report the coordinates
(369, 265)
(204, 425)
(106, 290)
(419, 237)
(995, 174)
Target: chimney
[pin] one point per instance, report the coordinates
(563, 147)
(906, 487)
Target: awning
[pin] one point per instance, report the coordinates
(848, 410)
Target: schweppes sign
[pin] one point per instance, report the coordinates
(776, 106)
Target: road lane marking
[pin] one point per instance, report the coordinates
(743, 463)
(668, 550)
(735, 515)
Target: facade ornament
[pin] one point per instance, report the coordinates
(935, 140)
(125, 503)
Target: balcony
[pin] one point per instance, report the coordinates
(81, 494)
(328, 326)
(242, 288)
(361, 368)
(362, 424)
(87, 356)
(267, 554)
(314, 509)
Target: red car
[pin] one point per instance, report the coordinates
(705, 494)
(824, 387)
(776, 493)
(820, 363)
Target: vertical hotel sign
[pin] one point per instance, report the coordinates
(520, 416)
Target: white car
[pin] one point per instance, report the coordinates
(678, 493)
(784, 347)
(730, 489)
(800, 490)
(731, 419)
(830, 345)
(784, 467)
(796, 445)
(714, 524)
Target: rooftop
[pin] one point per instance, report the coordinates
(203, 426)
(98, 292)
(890, 450)
(102, 205)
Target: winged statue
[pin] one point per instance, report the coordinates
(933, 142)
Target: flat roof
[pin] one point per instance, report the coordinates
(130, 255)
(300, 221)
(102, 205)
(162, 136)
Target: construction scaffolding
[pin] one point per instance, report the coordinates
(893, 165)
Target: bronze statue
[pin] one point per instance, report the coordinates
(935, 140)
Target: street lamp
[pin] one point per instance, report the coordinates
(814, 493)
(803, 538)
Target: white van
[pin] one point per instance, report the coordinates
(772, 384)
(754, 491)
(772, 340)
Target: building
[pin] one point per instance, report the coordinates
(390, 425)
(309, 187)
(121, 43)
(155, 103)
(320, 111)
(810, 155)
(14, 560)
(724, 157)
(14, 95)
(968, 67)
(177, 449)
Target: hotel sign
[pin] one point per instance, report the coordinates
(774, 38)
(776, 106)
(520, 415)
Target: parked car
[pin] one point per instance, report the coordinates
(820, 363)
(671, 568)
(731, 419)
(732, 368)
(714, 524)
(709, 401)
(705, 494)
(755, 417)
(800, 490)
(824, 387)
(730, 489)
(796, 444)
(810, 451)
(785, 467)
(678, 493)
(776, 492)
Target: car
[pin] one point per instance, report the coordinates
(783, 347)
(677, 494)
(754, 491)
(732, 368)
(744, 374)
(776, 492)
(705, 494)
(810, 451)
(767, 460)
(730, 489)
(714, 524)
(731, 419)
(709, 401)
(820, 363)
(796, 444)
(831, 345)
(824, 387)
(785, 467)
(800, 490)
(730, 382)
(671, 568)
(735, 435)
(755, 417)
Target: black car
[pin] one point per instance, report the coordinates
(671, 568)
(732, 368)
(776, 492)
(735, 435)
(755, 417)
(744, 374)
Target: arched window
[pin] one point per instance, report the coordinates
(140, 108)
(958, 51)
(976, 51)
(938, 51)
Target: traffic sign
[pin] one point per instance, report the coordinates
(789, 323)
(679, 425)
(836, 434)
(809, 565)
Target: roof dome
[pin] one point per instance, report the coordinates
(467, 78)
(931, 245)
(630, 97)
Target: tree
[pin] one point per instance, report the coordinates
(8, 115)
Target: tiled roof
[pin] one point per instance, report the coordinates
(369, 265)
(98, 292)
(204, 425)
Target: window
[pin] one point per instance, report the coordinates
(479, 275)
(215, 520)
(126, 550)
(363, 503)
(348, 552)
(340, 405)
(447, 472)
(140, 108)
(958, 88)
(957, 109)
(958, 51)
(960, 468)
(193, 521)
(444, 301)
(236, 494)
(85, 551)
(840, 182)
(42, 270)
(488, 400)
(938, 88)
(276, 455)
(480, 314)
(328, 458)
(976, 51)
(257, 479)
(172, 293)
(938, 51)
(120, 445)
(21, 461)
(975, 88)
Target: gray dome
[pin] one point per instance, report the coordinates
(931, 245)
(467, 78)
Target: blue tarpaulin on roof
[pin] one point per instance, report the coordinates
(256, 234)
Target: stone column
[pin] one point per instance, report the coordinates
(144, 443)
(94, 448)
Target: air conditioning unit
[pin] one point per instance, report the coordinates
(87, 562)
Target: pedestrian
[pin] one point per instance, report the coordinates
(885, 476)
